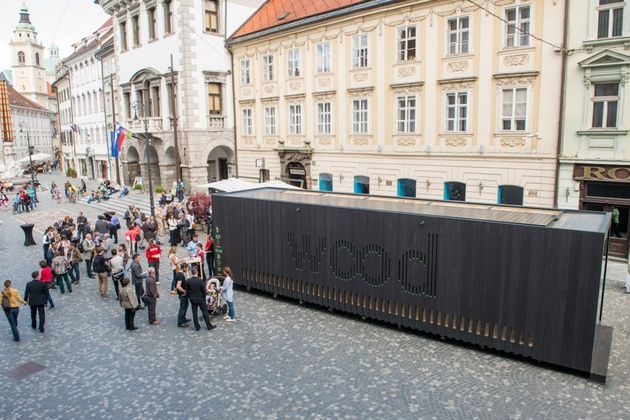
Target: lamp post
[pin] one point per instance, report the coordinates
(30, 156)
(148, 140)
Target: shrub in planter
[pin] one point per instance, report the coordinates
(137, 187)
(200, 203)
(71, 172)
(159, 189)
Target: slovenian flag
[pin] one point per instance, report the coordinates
(112, 144)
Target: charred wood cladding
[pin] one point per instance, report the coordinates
(524, 281)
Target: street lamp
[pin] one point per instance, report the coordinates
(147, 138)
(30, 156)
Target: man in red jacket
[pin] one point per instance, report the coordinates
(153, 253)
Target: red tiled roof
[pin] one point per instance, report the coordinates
(108, 24)
(271, 13)
(17, 99)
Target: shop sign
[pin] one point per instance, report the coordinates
(601, 173)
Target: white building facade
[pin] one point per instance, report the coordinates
(146, 34)
(31, 124)
(595, 154)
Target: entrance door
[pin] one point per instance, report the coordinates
(296, 174)
(223, 169)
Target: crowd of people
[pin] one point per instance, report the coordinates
(69, 242)
(24, 200)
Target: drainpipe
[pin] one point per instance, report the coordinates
(563, 88)
(234, 112)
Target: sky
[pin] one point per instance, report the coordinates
(63, 22)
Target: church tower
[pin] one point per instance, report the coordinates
(27, 61)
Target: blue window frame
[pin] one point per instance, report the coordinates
(455, 191)
(406, 187)
(361, 184)
(510, 194)
(325, 182)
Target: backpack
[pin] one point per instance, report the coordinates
(6, 303)
(81, 249)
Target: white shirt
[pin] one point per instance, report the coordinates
(116, 263)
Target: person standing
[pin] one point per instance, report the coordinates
(131, 235)
(114, 226)
(153, 253)
(151, 296)
(101, 226)
(74, 258)
(173, 230)
(47, 239)
(46, 277)
(12, 307)
(227, 290)
(149, 228)
(129, 302)
(137, 276)
(209, 251)
(60, 267)
(192, 250)
(180, 286)
(37, 294)
(87, 248)
(118, 273)
(173, 261)
(615, 222)
(101, 267)
(196, 291)
(82, 221)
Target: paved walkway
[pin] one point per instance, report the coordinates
(279, 359)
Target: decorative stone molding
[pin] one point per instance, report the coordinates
(457, 66)
(360, 141)
(246, 91)
(516, 60)
(249, 141)
(360, 93)
(324, 81)
(269, 88)
(360, 77)
(271, 141)
(324, 96)
(455, 141)
(405, 141)
(295, 85)
(511, 79)
(406, 71)
(295, 141)
(513, 141)
(324, 141)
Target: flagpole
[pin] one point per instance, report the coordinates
(111, 82)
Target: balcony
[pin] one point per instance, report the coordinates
(216, 122)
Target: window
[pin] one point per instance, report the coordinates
(155, 101)
(247, 122)
(294, 62)
(406, 119)
(21, 57)
(268, 68)
(151, 21)
(517, 29)
(458, 35)
(135, 24)
(214, 99)
(514, 109)
(361, 184)
(455, 191)
(127, 98)
(406, 187)
(457, 111)
(295, 119)
(360, 116)
(325, 182)
(323, 57)
(270, 120)
(610, 18)
(37, 59)
(211, 13)
(407, 43)
(510, 194)
(168, 17)
(324, 118)
(605, 101)
(245, 73)
(360, 51)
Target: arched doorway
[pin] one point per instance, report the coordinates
(218, 163)
(296, 174)
(152, 156)
(167, 168)
(132, 165)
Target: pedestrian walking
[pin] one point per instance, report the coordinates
(101, 267)
(153, 253)
(114, 226)
(37, 294)
(196, 291)
(227, 290)
(151, 296)
(11, 300)
(60, 267)
(180, 286)
(129, 302)
(46, 277)
(118, 273)
(137, 276)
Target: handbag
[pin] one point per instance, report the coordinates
(6, 303)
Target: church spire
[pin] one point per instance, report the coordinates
(25, 20)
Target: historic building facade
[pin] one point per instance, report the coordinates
(195, 94)
(595, 154)
(434, 99)
(62, 90)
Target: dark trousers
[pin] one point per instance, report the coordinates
(61, 278)
(130, 315)
(156, 266)
(12, 317)
(174, 281)
(75, 273)
(116, 284)
(46, 246)
(210, 264)
(204, 313)
(183, 307)
(114, 235)
(50, 301)
(35, 310)
(88, 265)
(139, 292)
(151, 303)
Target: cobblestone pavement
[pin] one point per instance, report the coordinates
(278, 360)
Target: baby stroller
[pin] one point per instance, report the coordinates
(216, 302)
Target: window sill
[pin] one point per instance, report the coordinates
(206, 32)
(456, 133)
(463, 56)
(603, 132)
(167, 34)
(590, 44)
(152, 40)
(360, 69)
(508, 50)
(406, 62)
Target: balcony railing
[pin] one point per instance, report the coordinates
(216, 122)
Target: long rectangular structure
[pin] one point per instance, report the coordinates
(522, 280)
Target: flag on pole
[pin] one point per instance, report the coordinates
(112, 144)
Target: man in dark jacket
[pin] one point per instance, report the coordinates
(101, 225)
(37, 294)
(196, 291)
(137, 276)
(151, 296)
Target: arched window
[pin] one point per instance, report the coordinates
(21, 57)
(325, 182)
(455, 191)
(37, 59)
(510, 194)
(406, 187)
(361, 184)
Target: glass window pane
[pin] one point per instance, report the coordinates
(598, 114)
(602, 24)
(520, 125)
(611, 119)
(524, 12)
(617, 28)
(607, 89)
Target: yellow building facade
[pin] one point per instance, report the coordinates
(434, 99)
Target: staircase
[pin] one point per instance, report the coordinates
(120, 205)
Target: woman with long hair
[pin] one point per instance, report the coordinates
(227, 290)
(173, 261)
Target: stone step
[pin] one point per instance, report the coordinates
(120, 205)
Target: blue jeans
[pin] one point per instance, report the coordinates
(231, 310)
(183, 308)
(173, 282)
(75, 273)
(51, 304)
(12, 317)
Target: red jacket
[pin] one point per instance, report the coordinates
(45, 275)
(153, 253)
